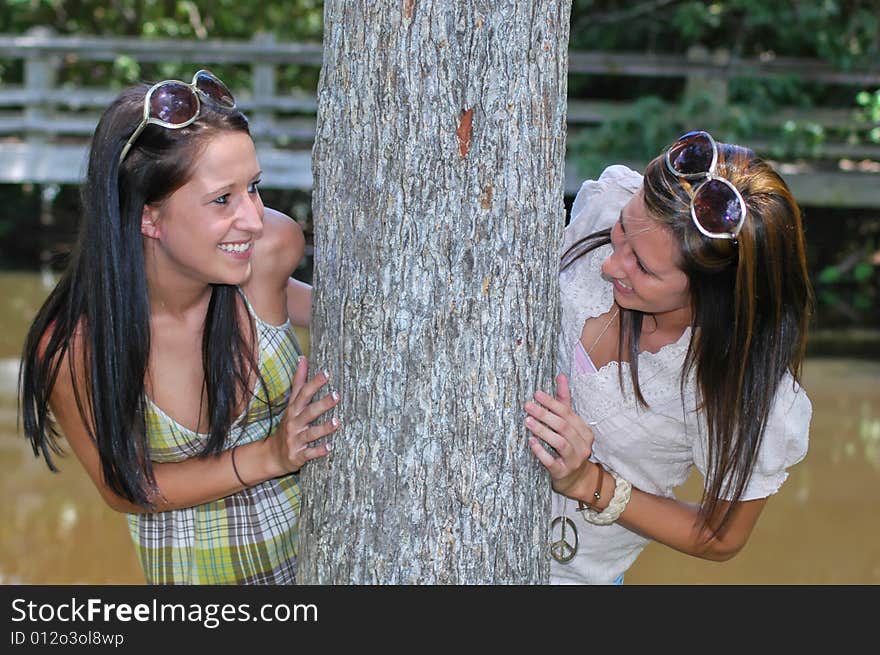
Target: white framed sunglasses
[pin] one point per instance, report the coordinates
(717, 207)
(174, 104)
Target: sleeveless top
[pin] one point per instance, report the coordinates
(250, 537)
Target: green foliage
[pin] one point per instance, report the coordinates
(287, 20)
(650, 124)
(765, 95)
(850, 286)
(797, 140)
(843, 33)
(292, 20)
(868, 113)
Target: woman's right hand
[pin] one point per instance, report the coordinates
(292, 440)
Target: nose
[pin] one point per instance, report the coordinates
(613, 265)
(250, 216)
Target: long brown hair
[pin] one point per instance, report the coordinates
(751, 301)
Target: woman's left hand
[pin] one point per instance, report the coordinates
(553, 421)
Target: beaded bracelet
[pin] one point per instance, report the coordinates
(622, 492)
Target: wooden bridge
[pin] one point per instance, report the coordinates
(45, 125)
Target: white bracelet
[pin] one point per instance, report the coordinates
(622, 492)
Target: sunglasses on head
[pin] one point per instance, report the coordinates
(175, 104)
(717, 207)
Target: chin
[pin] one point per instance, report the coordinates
(626, 300)
(234, 278)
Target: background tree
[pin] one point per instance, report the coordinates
(438, 208)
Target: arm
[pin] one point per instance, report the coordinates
(676, 523)
(203, 479)
(667, 520)
(273, 292)
(299, 302)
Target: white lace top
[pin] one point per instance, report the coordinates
(653, 448)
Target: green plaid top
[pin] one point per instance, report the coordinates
(249, 537)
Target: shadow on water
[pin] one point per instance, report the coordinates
(821, 528)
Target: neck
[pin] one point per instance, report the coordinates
(671, 325)
(172, 294)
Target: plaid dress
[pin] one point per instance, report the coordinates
(249, 537)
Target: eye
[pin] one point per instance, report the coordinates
(641, 266)
(252, 187)
(222, 200)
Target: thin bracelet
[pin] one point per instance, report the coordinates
(597, 494)
(235, 470)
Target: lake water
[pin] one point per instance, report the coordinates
(821, 528)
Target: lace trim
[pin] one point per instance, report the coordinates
(585, 295)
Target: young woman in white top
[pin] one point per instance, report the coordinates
(685, 305)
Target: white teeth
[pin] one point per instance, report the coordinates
(234, 247)
(625, 286)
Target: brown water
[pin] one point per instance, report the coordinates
(823, 527)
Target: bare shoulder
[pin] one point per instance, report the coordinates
(279, 250)
(69, 383)
(68, 393)
(75, 345)
(277, 253)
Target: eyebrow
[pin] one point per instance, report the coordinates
(640, 260)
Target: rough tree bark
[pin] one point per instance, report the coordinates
(438, 207)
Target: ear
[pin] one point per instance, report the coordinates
(150, 222)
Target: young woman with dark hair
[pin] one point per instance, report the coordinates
(166, 353)
(685, 301)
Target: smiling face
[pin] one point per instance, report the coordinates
(644, 266)
(205, 230)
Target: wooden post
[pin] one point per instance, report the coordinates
(264, 79)
(710, 83)
(40, 74)
(48, 193)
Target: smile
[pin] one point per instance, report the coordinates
(620, 286)
(236, 248)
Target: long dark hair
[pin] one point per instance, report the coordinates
(751, 302)
(101, 301)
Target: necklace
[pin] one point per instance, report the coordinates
(604, 329)
(561, 549)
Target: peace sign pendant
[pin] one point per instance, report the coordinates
(561, 550)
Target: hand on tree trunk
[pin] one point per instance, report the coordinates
(293, 441)
(553, 421)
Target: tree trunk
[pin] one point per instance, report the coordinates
(438, 207)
